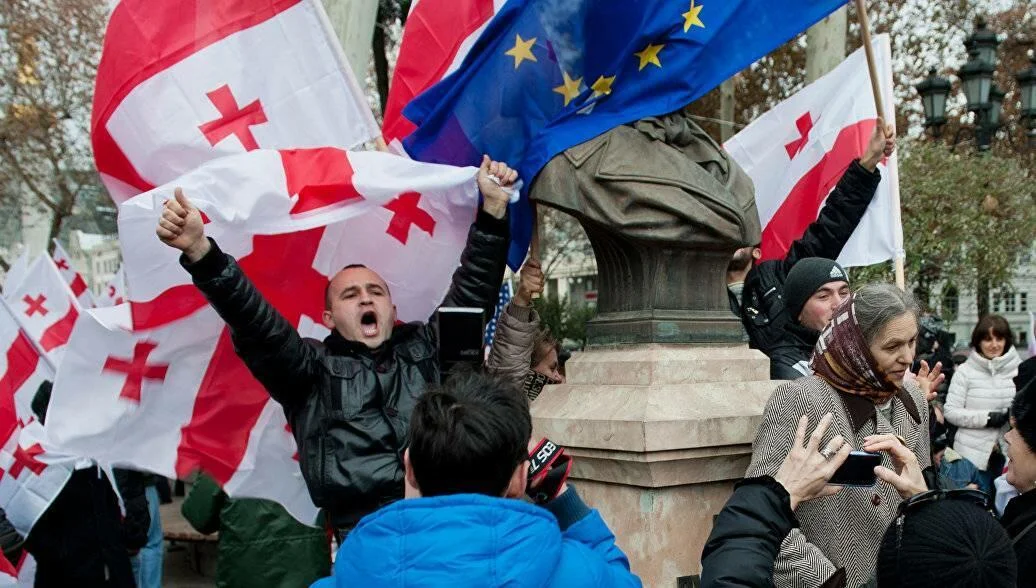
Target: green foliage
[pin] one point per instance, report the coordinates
(967, 217)
(564, 319)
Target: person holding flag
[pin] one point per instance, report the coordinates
(347, 400)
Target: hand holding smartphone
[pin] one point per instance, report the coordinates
(858, 470)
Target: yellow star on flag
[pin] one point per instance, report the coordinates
(603, 86)
(691, 18)
(569, 89)
(649, 55)
(522, 50)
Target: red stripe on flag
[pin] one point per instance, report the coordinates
(78, 285)
(433, 34)
(169, 306)
(320, 177)
(230, 400)
(22, 360)
(57, 334)
(802, 205)
(145, 37)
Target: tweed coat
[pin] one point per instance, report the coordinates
(838, 536)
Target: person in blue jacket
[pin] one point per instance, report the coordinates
(465, 522)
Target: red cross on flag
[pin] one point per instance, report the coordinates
(798, 150)
(31, 472)
(115, 292)
(72, 277)
(156, 384)
(45, 307)
(180, 83)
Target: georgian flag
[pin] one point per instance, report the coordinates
(72, 277)
(32, 473)
(797, 151)
(155, 384)
(437, 36)
(183, 82)
(16, 272)
(45, 307)
(115, 292)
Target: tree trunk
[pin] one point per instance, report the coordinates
(55, 229)
(982, 296)
(381, 69)
(825, 44)
(4, 265)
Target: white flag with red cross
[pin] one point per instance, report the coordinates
(181, 82)
(115, 292)
(797, 152)
(72, 277)
(45, 307)
(16, 273)
(32, 473)
(160, 387)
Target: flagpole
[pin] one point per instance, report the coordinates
(879, 104)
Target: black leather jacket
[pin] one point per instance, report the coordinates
(348, 406)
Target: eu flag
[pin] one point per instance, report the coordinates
(550, 74)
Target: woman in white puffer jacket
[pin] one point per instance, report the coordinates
(980, 395)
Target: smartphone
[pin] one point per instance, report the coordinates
(858, 470)
(461, 333)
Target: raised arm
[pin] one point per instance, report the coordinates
(476, 282)
(269, 345)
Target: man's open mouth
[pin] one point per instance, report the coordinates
(369, 324)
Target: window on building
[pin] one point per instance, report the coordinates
(552, 287)
(1023, 339)
(1009, 299)
(996, 302)
(950, 303)
(1023, 301)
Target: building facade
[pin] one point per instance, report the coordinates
(97, 257)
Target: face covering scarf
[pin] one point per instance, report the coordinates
(843, 358)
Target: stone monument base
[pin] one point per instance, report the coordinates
(660, 434)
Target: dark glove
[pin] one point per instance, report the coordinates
(997, 419)
(548, 469)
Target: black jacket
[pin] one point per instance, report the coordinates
(762, 302)
(348, 406)
(747, 536)
(791, 356)
(1019, 514)
(79, 539)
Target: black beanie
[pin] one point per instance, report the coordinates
(948, 544)
(807, 277)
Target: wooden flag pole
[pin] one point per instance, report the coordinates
(879, 104)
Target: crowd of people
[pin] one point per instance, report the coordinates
(434, 479)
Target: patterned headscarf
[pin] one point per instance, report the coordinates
(843, 358)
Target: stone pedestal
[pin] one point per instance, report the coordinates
(659, 434)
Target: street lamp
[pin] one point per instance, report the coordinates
(983, 97)
(934, 91)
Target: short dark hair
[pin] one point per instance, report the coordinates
(327, 288)
(468, 436)
(995, 323)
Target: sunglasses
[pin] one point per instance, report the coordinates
(918, 501)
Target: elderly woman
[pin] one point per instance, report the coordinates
(1020, 515)
(980, 395)
(859, 364)
(524, 352)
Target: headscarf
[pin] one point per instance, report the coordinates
(843, 358)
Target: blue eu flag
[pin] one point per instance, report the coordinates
(550, 74)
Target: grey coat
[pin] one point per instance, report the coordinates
(844, 531)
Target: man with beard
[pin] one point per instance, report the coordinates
(348, 399)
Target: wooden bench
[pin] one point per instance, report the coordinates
(176, 530)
